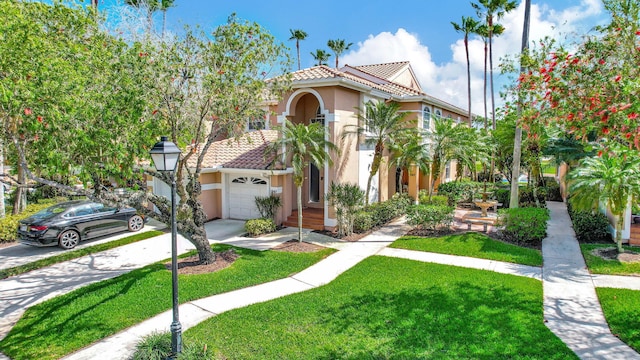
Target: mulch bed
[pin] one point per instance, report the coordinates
(191, 265)
(611, 253)
(297, 246)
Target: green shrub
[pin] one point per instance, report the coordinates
(9, 224)
(528, 200)
(157, 346)
(430, 216)
(362, 222)
(503, 196)
(346, 199)
(459, 191)
(591, 227)
(423, 198)
(268, 206)
(261, 226)
(553, 191)
(524, 225)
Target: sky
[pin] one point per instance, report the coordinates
(418, 31)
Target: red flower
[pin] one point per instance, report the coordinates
(27, 111)
(617, 78)
(220, 72)
(632, 116)
(600, 153)
(154, 112)
(638, 32)
(605, 131)
(40, 119)
(601, 62)
(628, 135)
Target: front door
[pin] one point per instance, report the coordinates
(316, 178)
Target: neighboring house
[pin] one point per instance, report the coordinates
(236, 171)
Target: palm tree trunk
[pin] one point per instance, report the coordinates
(486, 113)
(164, 21)
(298, 50)
(619, 225)
(299, 213)
(493, 102)
(466, 49)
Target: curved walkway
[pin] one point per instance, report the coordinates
(571, 308)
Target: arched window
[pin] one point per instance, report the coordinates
(319, 116)
(438, 113)
(426, 117)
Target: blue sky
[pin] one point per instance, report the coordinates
(418, 31)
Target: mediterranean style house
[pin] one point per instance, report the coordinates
(236, 171)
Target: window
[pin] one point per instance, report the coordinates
(438, 114)
(249, 180)
(256, 124)
(319, 117)
(426, 117)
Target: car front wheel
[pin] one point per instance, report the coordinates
(136, 223)
(69, 239)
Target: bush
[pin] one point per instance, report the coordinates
(157, 346)
(346, 199)
(362, 222)
(9, 224)
(524, 225)
(591, 227)
(553, 191)
(268, 205)
(423, 198)
(503, 196)
(430, 216)
(528, 200)
(459, 191)
(261, 226)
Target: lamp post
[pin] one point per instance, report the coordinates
(165, 155)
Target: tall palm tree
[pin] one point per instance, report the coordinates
(382, 124)
(297, 35)
(321, 57)
(490, 11)
(468, 25)
(410, 152)
(483, 32)
(163, 6)
(612, 178)
(303, 145)
(338, 47)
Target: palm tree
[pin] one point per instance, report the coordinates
(338, 47)
(483, 32)
(382, 124)
(303, 144)
(468, 25)
(447, 142)
(321, 57)
(298, 35)
(410, 152)
(491, 10)
(164, 5)
(612, 178)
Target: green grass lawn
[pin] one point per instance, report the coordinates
(598, 265)
(473, 245)
(389, 308)
(74, 254)
(67, 323)
(620, 307)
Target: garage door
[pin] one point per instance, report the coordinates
(243, 190)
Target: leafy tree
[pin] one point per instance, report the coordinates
(382, 124)
(612, 178)
(338, 46)
(321, 57)
(490, 11)
(303, 145)
(298, 35)
(468, 25)
(347, 200)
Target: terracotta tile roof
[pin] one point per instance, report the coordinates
(324, 72)
(245, 152)
(384, 71)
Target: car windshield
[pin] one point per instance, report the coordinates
(50, 212)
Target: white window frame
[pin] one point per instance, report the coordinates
(425, 110)
(437, 113)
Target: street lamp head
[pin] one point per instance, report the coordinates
(165, 155)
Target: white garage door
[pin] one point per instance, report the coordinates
(243, 190)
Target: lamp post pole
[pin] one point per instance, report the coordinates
(176, 327)
(165, 156)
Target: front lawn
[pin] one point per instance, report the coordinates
(599, 265)
(389, 308)
(67, 323)
(471, 244)
(620, 307)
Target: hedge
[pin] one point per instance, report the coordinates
(524, 225)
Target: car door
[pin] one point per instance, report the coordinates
(108, 220)
(83, 218)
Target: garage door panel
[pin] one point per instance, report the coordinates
(242, 192)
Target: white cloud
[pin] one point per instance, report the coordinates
(448, 81)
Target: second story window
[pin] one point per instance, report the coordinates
(438, 114)
(426, 118)
(256, 124)
(319, 117)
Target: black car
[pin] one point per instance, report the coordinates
(68, 223)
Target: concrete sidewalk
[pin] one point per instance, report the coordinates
(571, 307)
(122, 345)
